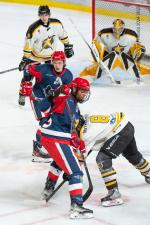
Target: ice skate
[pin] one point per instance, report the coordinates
(48, 190)
(79, 212)
(21, 100)
(39, 155)
(112, 199)
(147, 178)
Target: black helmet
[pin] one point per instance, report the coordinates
(43, 9)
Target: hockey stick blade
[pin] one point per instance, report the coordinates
(57, 188)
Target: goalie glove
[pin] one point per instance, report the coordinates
(137, 51)
(68, 49)
(26, 88)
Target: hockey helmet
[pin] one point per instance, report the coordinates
(43, 9)
(58, 55)
(118, 27)
(80, 84)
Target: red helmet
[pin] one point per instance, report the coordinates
(81, 83)
(58, 55)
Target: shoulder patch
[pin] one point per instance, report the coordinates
(53, 20)
(130, 32)
(105, 31)
(32, 27)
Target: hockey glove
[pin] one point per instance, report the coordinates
(68, 49)
(77, 143)
(65, 177)
(26, 88)
(65, 89)
(24, 62)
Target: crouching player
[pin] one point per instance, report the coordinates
(116, 137)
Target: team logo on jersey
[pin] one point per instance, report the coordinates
(47, 43)
(119, 48)
(58, 81)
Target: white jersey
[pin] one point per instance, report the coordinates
(100, 128)
(106, 41)
(41, 40)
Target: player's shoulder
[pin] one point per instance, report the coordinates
(67, 71)
(105, 31)
(55, 21)
(44, 67)
(32, 28)
(67, 76)
(130, 32)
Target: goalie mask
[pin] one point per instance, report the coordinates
(118, 27)
(80, 89)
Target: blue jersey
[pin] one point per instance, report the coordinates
(64, 115)
(49, 78)
(46, 78)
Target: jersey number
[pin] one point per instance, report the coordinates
(99, 119)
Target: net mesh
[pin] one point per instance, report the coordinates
(136, 17)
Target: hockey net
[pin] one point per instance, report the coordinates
(135, 15)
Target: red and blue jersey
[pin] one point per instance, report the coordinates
(47, 77)
(64, 115)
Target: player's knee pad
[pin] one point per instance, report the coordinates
(103, 161)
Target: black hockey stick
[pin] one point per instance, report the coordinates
(90, 188)
(56, 189)
(6, 71)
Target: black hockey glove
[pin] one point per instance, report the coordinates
(25, 61)
(68, 49)
(51, 93)
(65, 177)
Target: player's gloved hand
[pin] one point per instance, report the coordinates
(51, 93)
(68, 49)
(65, 89)
(26, 88)
(24, 62)
(43, 120)
(77, 143)
(65, 177)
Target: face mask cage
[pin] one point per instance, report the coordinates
(118, 28)
(77, 97)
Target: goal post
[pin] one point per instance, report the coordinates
(135, 15)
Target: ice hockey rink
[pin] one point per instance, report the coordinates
(21, 181)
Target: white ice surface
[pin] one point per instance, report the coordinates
(21, 181)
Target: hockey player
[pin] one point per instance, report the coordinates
(115, 137)
(59, 139)
(41, 42)
(50, 80)
(117, 47)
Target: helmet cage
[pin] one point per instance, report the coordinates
(118, 27)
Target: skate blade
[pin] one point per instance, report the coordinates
(77, 215)
(114, 202)
(41, 160)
